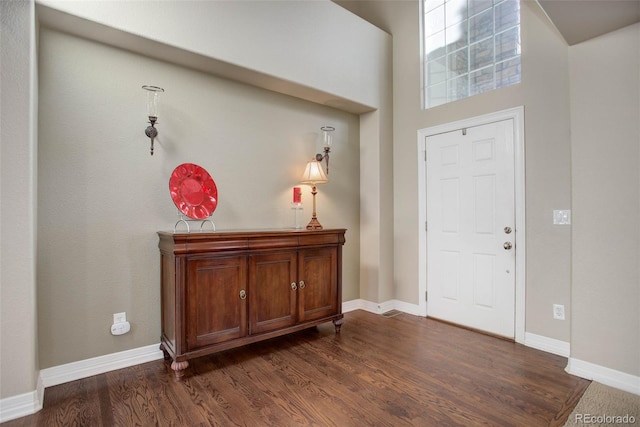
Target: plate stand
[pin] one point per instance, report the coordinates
(186, 220)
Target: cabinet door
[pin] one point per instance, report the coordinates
(216, 300)
(272, 299)
(318, 295)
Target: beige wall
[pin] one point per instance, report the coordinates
(18, 317)
(102, 196)
(605, 124)
(544, 93)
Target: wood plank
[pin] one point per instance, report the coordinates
(403, 370)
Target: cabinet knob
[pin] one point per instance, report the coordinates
(294, 286)
(301, 284)
(243, 294)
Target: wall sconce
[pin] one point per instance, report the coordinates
(153, 93)
(313, 174)
(326, 145)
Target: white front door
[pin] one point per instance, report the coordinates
(470, 227)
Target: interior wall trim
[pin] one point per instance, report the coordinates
(550, 345)
(607, 376)
(19, 406)
(380, 307)
(99, 365)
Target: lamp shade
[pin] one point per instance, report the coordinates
(314, 174)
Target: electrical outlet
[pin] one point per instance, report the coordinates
(120, 325)
(119, 318)
(562, 217)
(558, 311)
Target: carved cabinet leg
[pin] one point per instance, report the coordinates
(179, 368)
(338, 324)
(165, 352)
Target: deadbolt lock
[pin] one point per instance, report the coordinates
(507, 230)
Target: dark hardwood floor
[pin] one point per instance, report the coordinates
(397, 371)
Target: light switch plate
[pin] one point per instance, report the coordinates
(562, 217)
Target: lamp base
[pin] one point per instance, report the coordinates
(314, 224)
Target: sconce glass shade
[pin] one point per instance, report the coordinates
(314, 174)
(327, 138)
(153, 95)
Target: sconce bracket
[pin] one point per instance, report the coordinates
(325, 157)
(151, 131)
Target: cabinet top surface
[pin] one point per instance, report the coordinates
(247, 240)
(197, 235)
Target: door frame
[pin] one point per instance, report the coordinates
(517, 115)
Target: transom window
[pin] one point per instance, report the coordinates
(469, 47)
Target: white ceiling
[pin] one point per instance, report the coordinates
(580, 20)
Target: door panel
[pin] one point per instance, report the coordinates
(470, 199)
(272, 299)
(216, 282)
(317, 296)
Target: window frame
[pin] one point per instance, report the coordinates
(492, 71)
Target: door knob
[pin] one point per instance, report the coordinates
(294, 286)
(243, 294)
(507, 245)
(507, 230)
(302, 284)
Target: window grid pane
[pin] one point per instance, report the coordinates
(508, 44)
(482, 81)
(458, 88)
(481, 26)
(508, 72)
(435, 46)
(481, 54)
(456, 36)
(457, 63)
(471, 47)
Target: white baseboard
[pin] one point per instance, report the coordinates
(550, 345)
(19, 406)
(99, 365)
(380, 307)
(354, 304)
(607, 376)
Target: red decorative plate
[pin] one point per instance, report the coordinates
(193, 191)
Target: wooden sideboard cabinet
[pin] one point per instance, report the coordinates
(224, 289)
